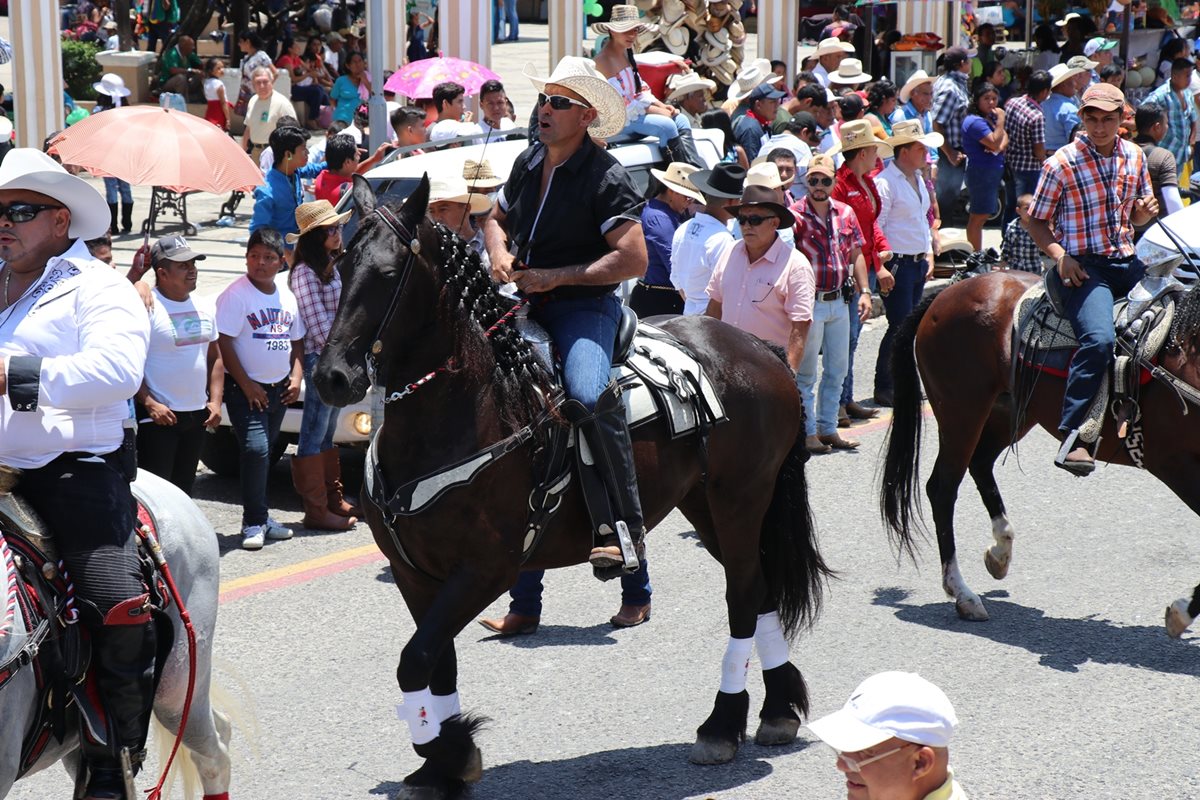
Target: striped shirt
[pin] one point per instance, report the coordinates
(1026, 126)
(828, 243)
(950, 101)
(1087, 198)
(1018, 249)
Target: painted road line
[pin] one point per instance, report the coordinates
(301, 572)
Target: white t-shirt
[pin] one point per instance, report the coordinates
(212, 87)
(177, 363)
(263, 327)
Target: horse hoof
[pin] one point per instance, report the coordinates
(713, 751)
(996, 568)
(474, 770)
(773, 732)
(971, 608)
(421, 793)
(1178, 618)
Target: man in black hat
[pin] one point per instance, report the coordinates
(699, 243)
(762, 104)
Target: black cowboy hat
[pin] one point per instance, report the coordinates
(723, 180)
(765, 199)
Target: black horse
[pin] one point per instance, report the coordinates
(422, 305)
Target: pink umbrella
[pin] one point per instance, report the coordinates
(417, 78)
(152, 146)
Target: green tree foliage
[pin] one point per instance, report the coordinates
(80, 69)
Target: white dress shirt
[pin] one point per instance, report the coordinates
(74, 351)
(695, 249)
(903, 212)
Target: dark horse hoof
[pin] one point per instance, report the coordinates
(786, 700)
(451, 761)
(717, 740)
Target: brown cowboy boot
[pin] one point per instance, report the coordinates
(308, 476)
(512, 625)
(334, 498)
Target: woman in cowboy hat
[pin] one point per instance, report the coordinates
(645, 114)
(660, 219)
(111, 93)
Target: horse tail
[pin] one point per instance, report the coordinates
(899, 503)
(791, 561)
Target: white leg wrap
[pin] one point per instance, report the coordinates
(768, 638)
(446, 706)
(420, 712)
(735, 664)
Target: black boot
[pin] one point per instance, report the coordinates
(112, 226)
(683, 148)
(608, 434)
(126, 217)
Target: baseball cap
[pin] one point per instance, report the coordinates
(822, 164)
(764, 91)
(899, 704)
(1098, 45)
(1103, 96)
(173, 248)
(1082, 62)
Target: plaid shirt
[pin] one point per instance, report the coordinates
(318, 304)
(1026, 126)
(1018, 249)
(1180, 118)
(1087, 198)
(828, 244)
(950, 101)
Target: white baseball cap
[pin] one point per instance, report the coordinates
(899, 704)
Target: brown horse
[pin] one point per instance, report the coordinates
(421, 304)
(961, 342)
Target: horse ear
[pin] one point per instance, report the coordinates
(416, 204)
(362, 195)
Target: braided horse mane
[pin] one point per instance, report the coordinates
(1186, 323)
(471, 304)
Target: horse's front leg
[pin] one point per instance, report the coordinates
(1182, 476)
(427, 674)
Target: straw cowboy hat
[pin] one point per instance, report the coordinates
(479, 176)
(681, 85)
(850, 72)
(916, 79)
(675, 178)
(832, 46)
(624, 18)
(316, 214)
(454, 189)
(750, 79)
(581, 76)
(764, 174)
(910, 131)
(857, 134)
(111, 84)
(1062, 72)
(32, 170)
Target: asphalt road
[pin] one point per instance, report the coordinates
(1071, 690)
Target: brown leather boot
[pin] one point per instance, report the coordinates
(308, 476)
(335, 501)
(512, 625)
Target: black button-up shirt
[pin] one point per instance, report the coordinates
(589, 194)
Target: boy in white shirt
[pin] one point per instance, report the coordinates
(262, 347)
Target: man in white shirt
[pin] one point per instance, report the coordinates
(73, 338)
(182, 391)
(830, 53)
(333, 53)
(903, 218)
(697, 245)
(493, 106)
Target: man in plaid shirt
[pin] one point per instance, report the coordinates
(1176, 97)
(1093, 190)
(827, 233)
(1026, 128)
(950, 101)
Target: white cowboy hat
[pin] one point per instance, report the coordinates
(112, 84)
(850, 72)
(453, 188)
(831, 46)
(910, 131)
(623, 18)
(675, 178)
(581, 76)
(687, 83)
(748, 80)
(764, 174)
(1062, 23)
(1062, 72)
(916, 79)
(32, 170)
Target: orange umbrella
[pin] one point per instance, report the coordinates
(152, 146)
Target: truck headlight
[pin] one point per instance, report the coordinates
(362, 423)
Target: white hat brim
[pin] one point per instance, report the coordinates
(740, 96)
(599, 93)
(325, 221)
(123, 91)
(862, 77)
(478, 203)
(33, 171)
(846, 734)
(603, 28)
(907, 89)
(1070, 73)
(933, 139)
(686, 191)
(688, 88)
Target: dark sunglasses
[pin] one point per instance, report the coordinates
(24, 212)
(826, 182)
(559, 102)
(753, 220)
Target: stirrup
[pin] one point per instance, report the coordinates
(1080, 469)
(607, 564)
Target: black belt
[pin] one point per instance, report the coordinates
(645, 285)
(917, 257)
(826, 297)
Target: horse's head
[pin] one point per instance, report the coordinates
(389, 291)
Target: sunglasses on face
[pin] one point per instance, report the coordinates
(826, 182)
(753, 220)
(559, 102)
(333, 230)
(24, 212)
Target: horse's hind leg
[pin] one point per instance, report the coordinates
(993, 441)
(1182, 475)
(958, 440)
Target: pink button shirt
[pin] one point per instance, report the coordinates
(766, 297)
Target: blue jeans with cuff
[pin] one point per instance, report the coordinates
(256, 431)
(826, 359)
(526, 593)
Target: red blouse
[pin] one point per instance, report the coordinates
(849, 190)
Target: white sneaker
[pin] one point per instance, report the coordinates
(252, 537)
(277, 532)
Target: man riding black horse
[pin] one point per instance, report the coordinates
(569, 212)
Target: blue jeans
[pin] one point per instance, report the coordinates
(949, 185)
(114, 185)
(1089, 308)
(314, 96)
(526, 593)
(510, 13)
(583, 331)
(855, 330)
(659, 125)
(497, 23)
(909, 272)
(256, 431)
(319, 421)
(826, 356)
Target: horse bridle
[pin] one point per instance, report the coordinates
(414, 249)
